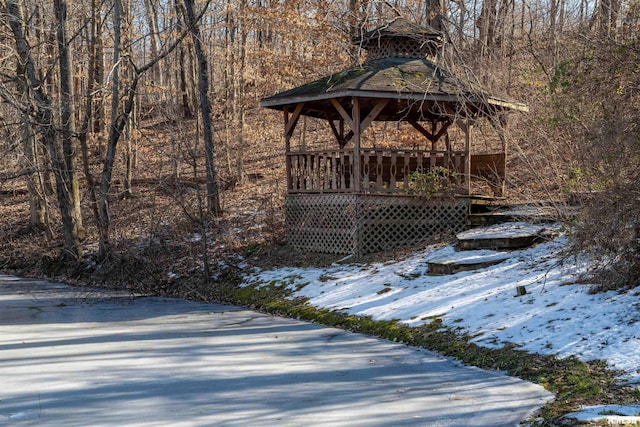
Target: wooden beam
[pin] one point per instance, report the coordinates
(339, 134)
(335, 132)
(506, 104)
(443, 130)
(343, 113)
(287, 138)
(422, 130)
(373, 114)
(434, 145)
(348, 137)
(499, 123)
(292, 121)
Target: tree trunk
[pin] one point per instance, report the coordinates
(227, 83)
(355, 29)
(104, 246)
(486, 24)
(119, 121)
(239, 94)
(45, 122)
(66, 113)
(36, 194)
(98, 55)
(187, 111)
(434, 13)
(130, 147)
(89, 111)
(151, 10)
(213, 196)
(37, 203)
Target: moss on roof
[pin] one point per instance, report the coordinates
(389, 75)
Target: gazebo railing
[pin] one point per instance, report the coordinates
(382, 171)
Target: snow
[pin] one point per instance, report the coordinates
(472, 257)
(611, 414)
(505, 231)
(556, 316)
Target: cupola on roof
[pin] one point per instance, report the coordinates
(400, 39)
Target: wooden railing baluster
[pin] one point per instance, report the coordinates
(382, 170)
(393, 170)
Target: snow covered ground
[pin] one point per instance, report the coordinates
(556, 316)
(611, 414)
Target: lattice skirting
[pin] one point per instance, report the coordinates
(362, 224)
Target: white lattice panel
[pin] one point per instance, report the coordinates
(321, 222)
(362, 224)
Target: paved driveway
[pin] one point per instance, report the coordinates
(80, 357)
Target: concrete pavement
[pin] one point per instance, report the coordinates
(87, 357)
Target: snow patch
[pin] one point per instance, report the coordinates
(611, 414)
(505, 231)
(557, 316)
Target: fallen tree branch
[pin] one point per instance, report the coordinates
(6, 176)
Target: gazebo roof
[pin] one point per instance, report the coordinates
(401, 67)
(435, 92)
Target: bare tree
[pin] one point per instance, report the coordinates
(213, 196)
(45, 123)
(120, 118)
(39, 215)
(66, 112)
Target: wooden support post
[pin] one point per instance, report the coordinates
(434, 141)
(467, 152)
(432, 136)
(373, 114)
(290, 123)
(504, 136)
(287, 150)
(357, 175)
(363, 125)
(423, 131)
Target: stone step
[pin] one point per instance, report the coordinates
(465, 261)
(514, 235)
(493, 218)
(519, 213)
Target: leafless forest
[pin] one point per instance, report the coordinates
(133, 143)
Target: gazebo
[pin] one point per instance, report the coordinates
(352, 198)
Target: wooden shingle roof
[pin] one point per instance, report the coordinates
(420, 87)
(408, 79)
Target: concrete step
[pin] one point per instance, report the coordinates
(506, 236)
(517, 213)
(465, 261)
